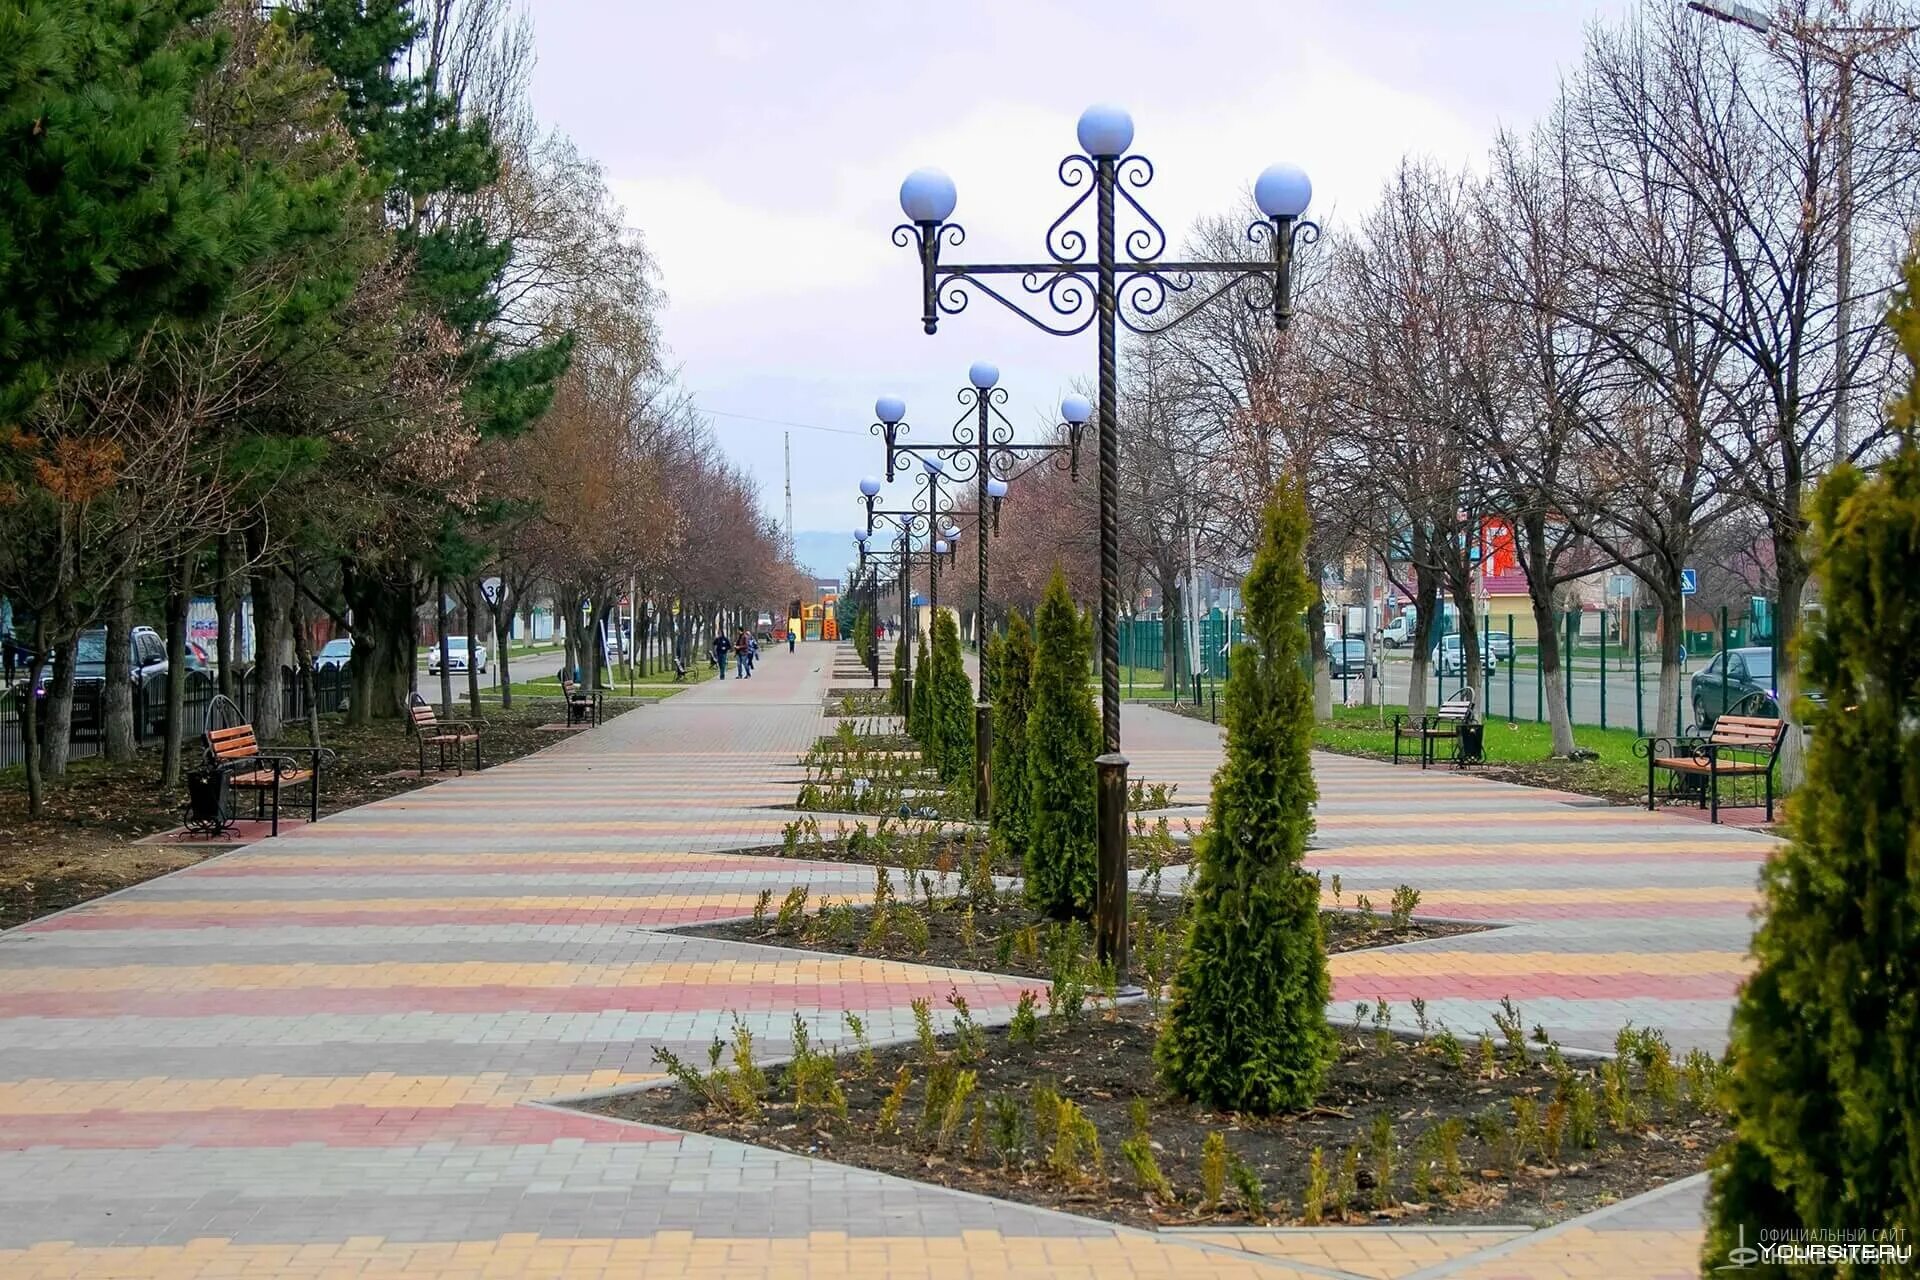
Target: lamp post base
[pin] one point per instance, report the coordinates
(906, 697)
(1110, 901)
(982, 752)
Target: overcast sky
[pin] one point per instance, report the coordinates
(759, 146)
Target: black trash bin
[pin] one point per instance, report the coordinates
(208, 812)
(1473, 742)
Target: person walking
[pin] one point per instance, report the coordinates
(743, 660)
(792, 635)
(721, 647)
(753, 650)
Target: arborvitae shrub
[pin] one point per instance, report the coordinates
(1825, 1053)
(1012, 690)
(953, 701)
(917, 722)
(1247, 1028)
(1063, 737)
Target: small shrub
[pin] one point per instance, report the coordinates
(1451, 1050)
(1420, 1014)
(1213, 1170)
(889, 1120)
(1247, 1183)
(1405, 899)
(1045, 1100)
(955, 1108)
(1024, 1029)
(1582, 1129)
(760, 905)
(970, 1042)
(1009, 1132)
(793, 910)
(1314, 1201)
(923, 1031)
(1513, 1031)
(862, 1046)
(1346, 1184)
(1385, 1151)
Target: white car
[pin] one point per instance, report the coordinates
(1446, 656)
(458, 648)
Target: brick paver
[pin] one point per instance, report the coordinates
(332, 1054)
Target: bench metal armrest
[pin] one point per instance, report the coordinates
(1669, 745)
(458, 726)
(313, 754)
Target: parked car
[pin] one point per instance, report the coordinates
(458, 648)
(1737, 682)
(1446, 656)
(339, 651)
(147, 667)
(1348, 658)
(1398, 633)
(1500, 645)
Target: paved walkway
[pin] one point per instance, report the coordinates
(332, 1054)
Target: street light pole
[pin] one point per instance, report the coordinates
(1083, 295)
(989, 449)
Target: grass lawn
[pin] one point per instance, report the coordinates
(1521, 748)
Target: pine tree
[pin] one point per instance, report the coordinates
(1012, 697)
(1063, 737)
(952, 701)
(105, 224)
(1825, 1080)
(1247, 1029)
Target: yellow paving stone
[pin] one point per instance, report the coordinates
(274, 1093)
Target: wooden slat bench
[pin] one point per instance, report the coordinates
(235, 752)
(430, 728)
(583, 705)
(1434, 728)
(679, 670)
(1737, 747)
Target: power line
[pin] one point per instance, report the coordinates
(780, 422)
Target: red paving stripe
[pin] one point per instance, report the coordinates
(676, 998)
(271, 915)
(483, 865)
(348, 1126)
(1335, 856)
(1622, 986)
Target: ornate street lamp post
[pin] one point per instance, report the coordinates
(1083, 294)
(923, 513)
(983, 446)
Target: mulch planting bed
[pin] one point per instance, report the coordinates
(1001, 934)
(82, 845)
(924, 843)
(1064, 1110)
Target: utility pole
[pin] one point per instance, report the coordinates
(786, 450)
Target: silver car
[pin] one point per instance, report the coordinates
(459, 650)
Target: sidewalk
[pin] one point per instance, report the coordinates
(330, 1054)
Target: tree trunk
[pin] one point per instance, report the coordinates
(440, 643)
(56, 746)
(1472, 660)
(1426, 603)
(303, 667)
(1540, 597)
(1673, 638)
(502, 614)
(471, 605)
(227, 606)
(384, 645)
(1791, 573)
(116, 694)
(179, 597)
(596, 619)
(268, 714)
(30, 718)
(1553, 675)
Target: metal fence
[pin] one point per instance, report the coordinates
(332, 687)
(1611, 662)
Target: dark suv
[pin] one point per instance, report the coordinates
(147, 664)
